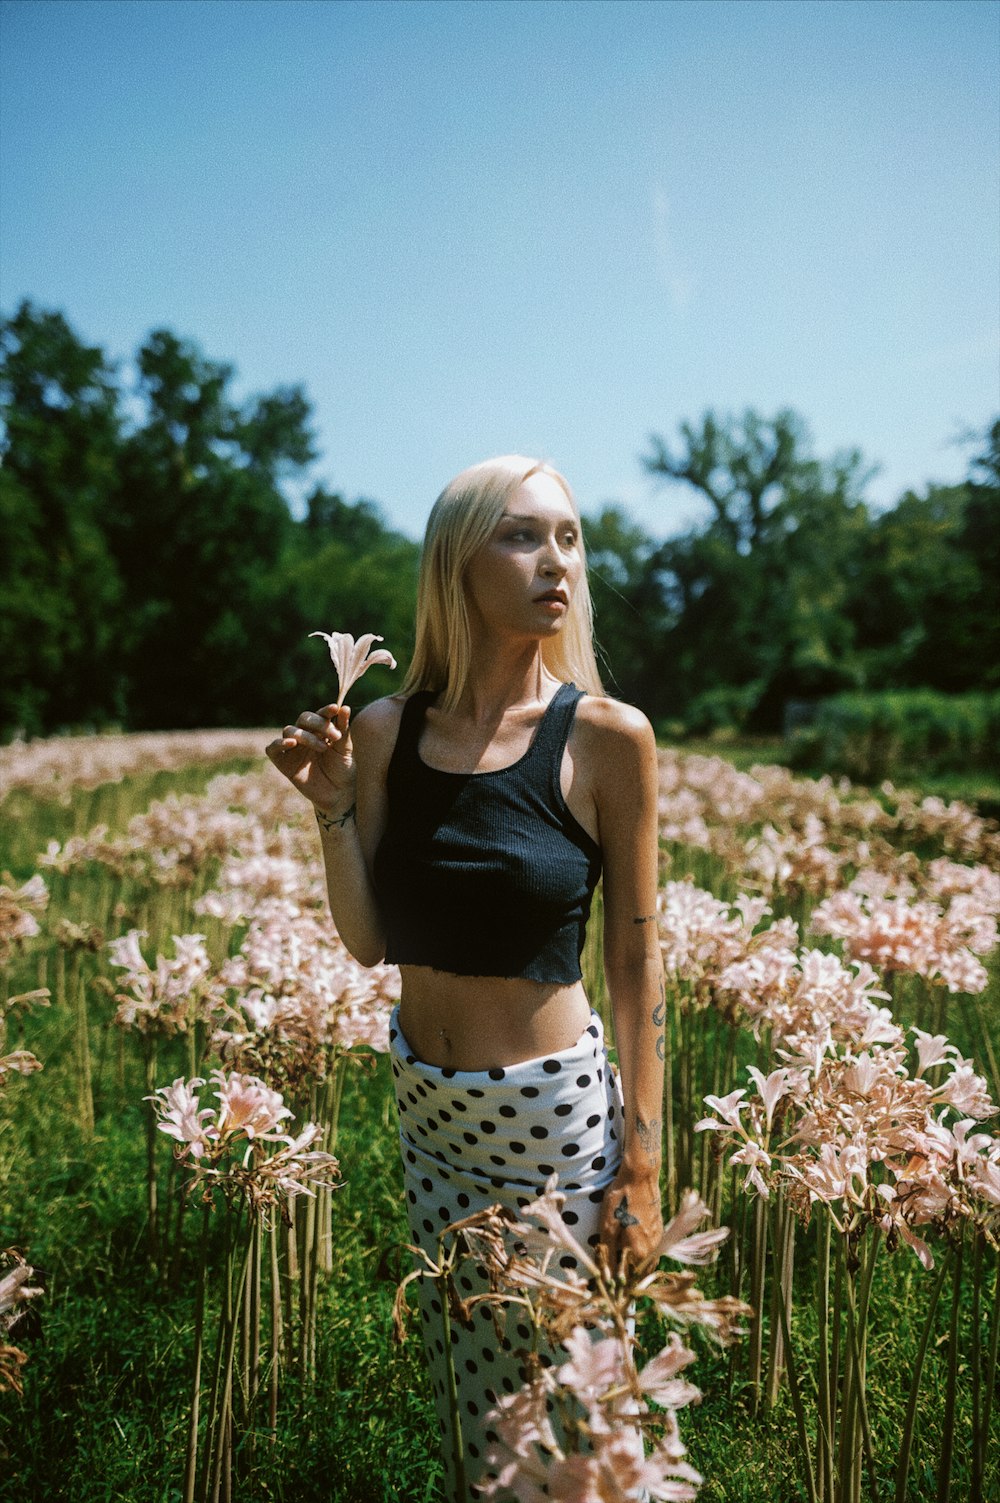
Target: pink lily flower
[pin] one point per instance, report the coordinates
(351, 659)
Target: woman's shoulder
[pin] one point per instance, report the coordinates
(610, 724)
(375, 728)
(615, 748)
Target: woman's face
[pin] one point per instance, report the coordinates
(523, 578)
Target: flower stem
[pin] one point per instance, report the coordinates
(981, 1439)
(191, 1462)
(906, 1440)
(948, 1443)
(793, 1382)
(857, 1323)
(458, 1452)
(824, 1419)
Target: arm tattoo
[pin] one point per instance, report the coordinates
(649, 1136)
(622, 1216)
(335, 822)
(657, 1017)
(646, 918)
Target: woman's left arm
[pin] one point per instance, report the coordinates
(626, 786)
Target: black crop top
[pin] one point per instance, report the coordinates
(486, 873)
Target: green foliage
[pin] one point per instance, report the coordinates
(59, 581)
(152, 572)
(870, 736)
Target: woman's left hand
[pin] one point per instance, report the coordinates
(631, 1220)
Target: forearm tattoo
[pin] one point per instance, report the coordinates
(657, 1018)
(648, 1134)
(645, 918)
(336, 822)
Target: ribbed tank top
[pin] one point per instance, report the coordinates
(486, 873)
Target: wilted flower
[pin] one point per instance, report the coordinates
(351, 659)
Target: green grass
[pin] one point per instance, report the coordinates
(106, 1386)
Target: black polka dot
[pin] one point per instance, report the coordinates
(497, 1074)
(508, 1111)
(570, 1149)
(583, 1081)
(599, 1162)
(516, 1147)
(475, 1091)
(563, 1109)
(531, 1091)
(539, 1132)
(551, 1067)
(487, 1126)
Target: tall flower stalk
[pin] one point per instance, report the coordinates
(239, 1157)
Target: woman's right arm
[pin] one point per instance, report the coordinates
(341, 769)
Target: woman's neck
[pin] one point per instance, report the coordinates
(502, 676)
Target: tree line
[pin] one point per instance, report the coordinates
(153, 574)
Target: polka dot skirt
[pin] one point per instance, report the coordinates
(472, 1138)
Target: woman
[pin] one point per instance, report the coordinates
(464, 823)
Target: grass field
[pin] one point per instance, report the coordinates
(106, 1384)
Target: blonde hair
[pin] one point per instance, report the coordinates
(461, 521)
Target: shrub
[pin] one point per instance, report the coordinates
(873, 736)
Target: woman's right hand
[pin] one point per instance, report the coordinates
(315, 754)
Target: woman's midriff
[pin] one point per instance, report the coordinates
(487, 1022)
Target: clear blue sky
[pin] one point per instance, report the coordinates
(556, 227)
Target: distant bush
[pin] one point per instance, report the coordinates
(874, 736)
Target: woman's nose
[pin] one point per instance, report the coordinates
(553, 561)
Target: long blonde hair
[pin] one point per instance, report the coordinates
(462, 519)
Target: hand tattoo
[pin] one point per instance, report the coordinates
(622, 1216)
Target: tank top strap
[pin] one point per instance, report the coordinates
(553, 733)
(410, 725)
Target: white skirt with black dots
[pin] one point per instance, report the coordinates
(472, 1138)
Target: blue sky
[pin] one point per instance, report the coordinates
(552, 228)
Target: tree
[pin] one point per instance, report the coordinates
(58, 580)
(199, 531)
(630, 608)
(759, 597)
